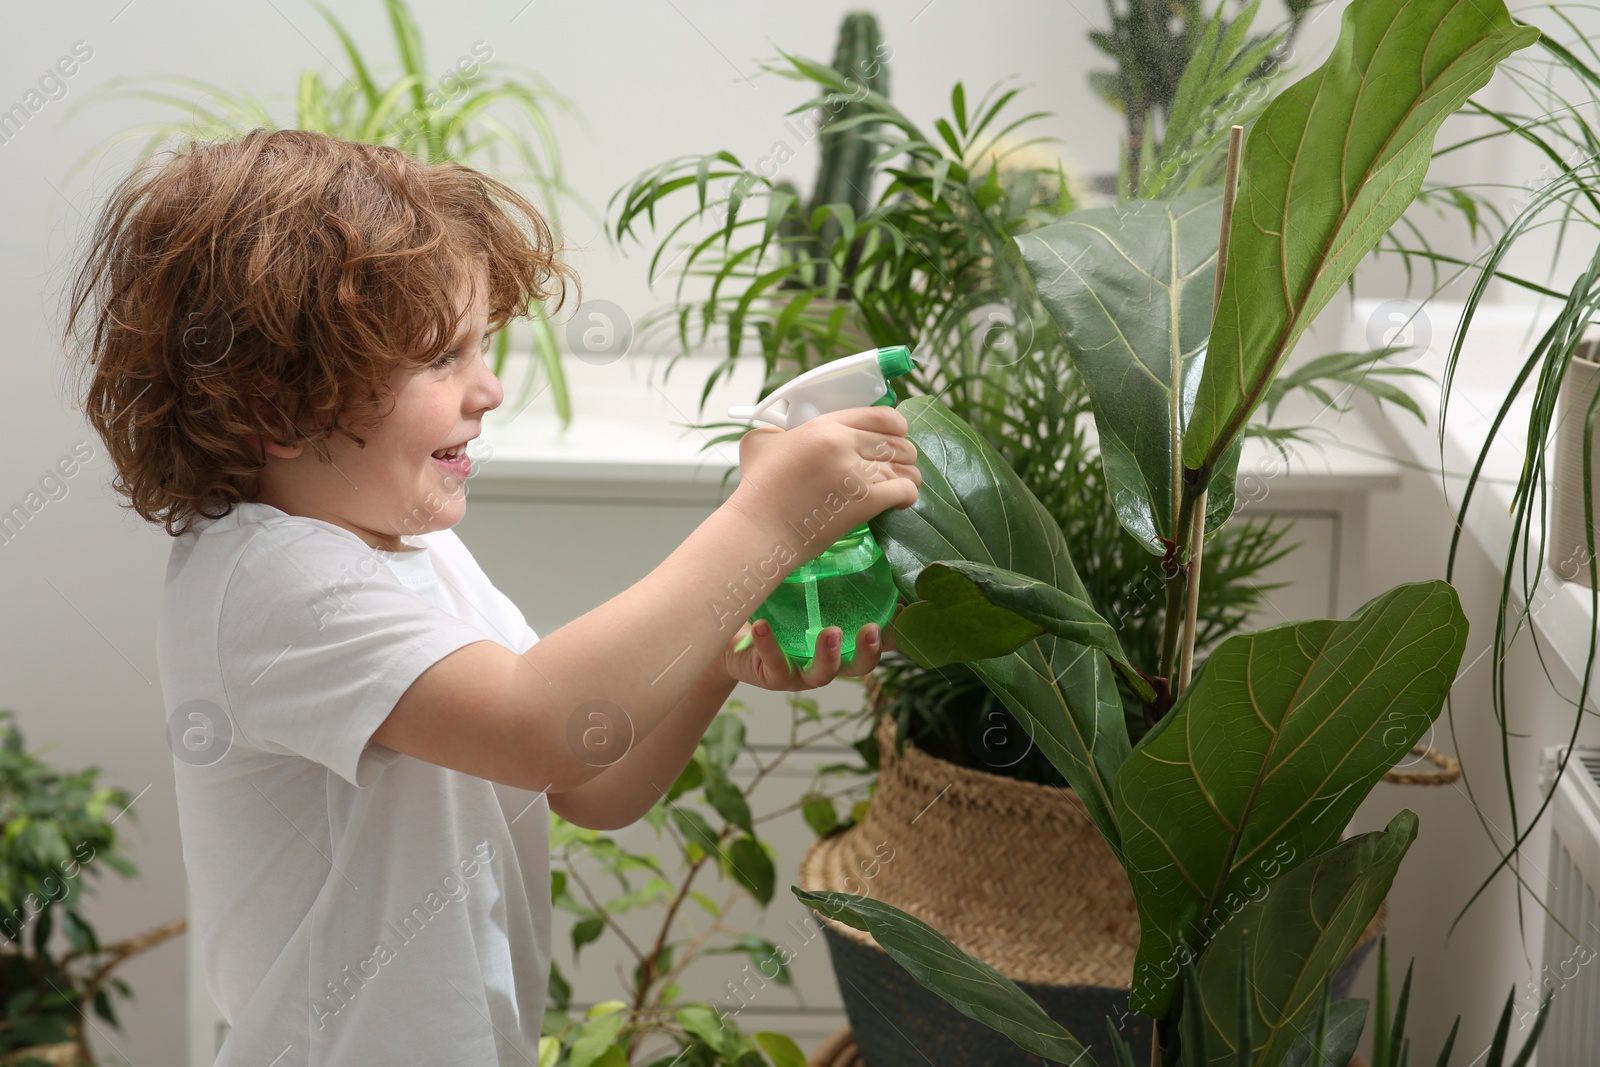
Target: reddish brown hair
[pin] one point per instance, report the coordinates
(267, 286)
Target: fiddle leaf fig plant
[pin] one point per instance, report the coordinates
(1226, 813)
(1268, 753)
(1141, 370)
(973, 507)
(1330, 166)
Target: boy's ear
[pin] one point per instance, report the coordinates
(267, 444)
(279, 449)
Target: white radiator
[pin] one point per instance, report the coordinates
(1570, 974)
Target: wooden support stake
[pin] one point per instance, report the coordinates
(1230, 188)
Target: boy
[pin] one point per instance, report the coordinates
(287, 366)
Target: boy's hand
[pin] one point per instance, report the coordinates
(825, 476)
(753, 656)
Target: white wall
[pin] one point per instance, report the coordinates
(654, 80)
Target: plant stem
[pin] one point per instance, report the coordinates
(1192, 611)
(594, 902)
(1171, 628)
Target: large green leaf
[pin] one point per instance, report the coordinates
(970, 985)
(1131, 287)
(1327, 169)
(972, 506)
(1297, 934)
(974, 611)
(1264, 758)
(1346, 1020)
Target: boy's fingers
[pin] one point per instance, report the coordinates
(825, 660)
(877, 418)
(868, 648)
(772, 657)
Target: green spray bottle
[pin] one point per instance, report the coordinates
(849, 585)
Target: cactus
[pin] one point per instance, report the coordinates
(845, 173)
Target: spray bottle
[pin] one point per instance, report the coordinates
(850, 584)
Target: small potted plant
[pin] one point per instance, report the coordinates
(57, 831)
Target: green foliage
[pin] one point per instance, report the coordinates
(1267, 755)
(931, 264)
(459, 116)
(708, 818)
(927, 264)
(1289, 940)
(971, 506)
(58, 828)
(1159, 256)
(1391, 1047)
(970, 611)
(1330, 166)
(1194, 75)
(973, 987)
(1263, 759)
(845, 172)
(1558, 85)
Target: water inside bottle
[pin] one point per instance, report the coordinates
(849, 585)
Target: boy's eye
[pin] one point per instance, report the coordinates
(448, 357)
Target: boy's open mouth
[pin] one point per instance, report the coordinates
(454, 459)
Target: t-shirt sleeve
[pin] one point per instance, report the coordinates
(519, 636)
(317, 641)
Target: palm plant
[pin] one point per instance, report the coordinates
(464, 116)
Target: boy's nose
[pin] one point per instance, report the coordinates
(489, 392)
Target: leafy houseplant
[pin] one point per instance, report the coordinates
(56, 830)
(1562, 88)
(456, 117)
(713, 827)
(1156, 47)
(933, 263)
(1277, 739)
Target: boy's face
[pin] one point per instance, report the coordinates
(394, 487)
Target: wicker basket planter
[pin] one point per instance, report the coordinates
(1058, 917)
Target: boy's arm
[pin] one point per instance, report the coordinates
(629, 787)
(525, 720)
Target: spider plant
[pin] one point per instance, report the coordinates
(471, 114)
(1560, 86)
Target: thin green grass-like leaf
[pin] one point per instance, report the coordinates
(363, 77)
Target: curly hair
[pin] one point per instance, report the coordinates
(268, 286)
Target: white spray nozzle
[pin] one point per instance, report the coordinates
(860, 380)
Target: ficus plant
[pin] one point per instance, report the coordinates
(1180, 314)
(670, 916)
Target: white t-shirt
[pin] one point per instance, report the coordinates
(356, 905)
